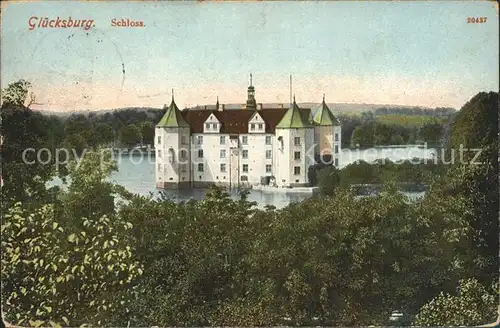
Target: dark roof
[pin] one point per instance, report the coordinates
(236, 121)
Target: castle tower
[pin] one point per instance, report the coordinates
(294, 147)
(327, 134)
(173, 149)
(251, 103)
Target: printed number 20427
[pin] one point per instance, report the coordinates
(478, 20)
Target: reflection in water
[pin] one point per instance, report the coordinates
(139, 176)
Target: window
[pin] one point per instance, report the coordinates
(222, 140)
(199, 140)
(336, 137)
(296, 141)
(159, 167)
(244, 178)
(159, 139)
(269, 154)
(245, 168)
(296, 155)
(182, 154)
(207, 126)
(159, 153)
(336, 162)
(244, 140)
(296, 170)
(215, 126)
(200, 167)
(183, 140)
(268, 140)
(269, 168)
(200, 153)
(223, 153)
(244, 154)
(223, 168)
(336, 149)
(252, 126)
(183, 167)
(260, 126)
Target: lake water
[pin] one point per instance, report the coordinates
(138, 175)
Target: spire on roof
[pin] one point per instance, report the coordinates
(295, 118)
(172, 117)
(250, 79)
(324, 115)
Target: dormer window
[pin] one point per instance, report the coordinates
(207, 126)
(215, 126)
(260, 126)
(252, 127)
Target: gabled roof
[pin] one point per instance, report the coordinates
(172, 118)
(324, 115)
(295, 118)
(233, 121)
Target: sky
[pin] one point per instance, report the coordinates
(404, 53)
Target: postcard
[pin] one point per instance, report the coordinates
(249, 163)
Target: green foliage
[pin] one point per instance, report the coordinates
(395, 129)
(102, 134)
(16, 93)
(473, 305)
(432, 132)
(24, 133)
(408, 120)
(130, 135)
(328, 180)
(476, 126)
(408, 173)
(147, 132)
(64, 275)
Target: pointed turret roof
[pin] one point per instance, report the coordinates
(172, 117)
(324, 115)
(294, 118)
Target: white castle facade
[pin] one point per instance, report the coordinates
(242, 147)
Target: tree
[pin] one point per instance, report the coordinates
(102, 134)
(130, 135)
(68, 276)
(472, 305)
(70, 261)
(432, 132)
(25, 169)
(476, 126)
(147, 132)
(16, 94)
(328, 180)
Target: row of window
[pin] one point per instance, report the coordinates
(223, 168)
(215, 126)
(244, 139)
(244, 153)
(260, 126)
(199, 140)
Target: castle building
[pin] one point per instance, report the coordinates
(251, 145)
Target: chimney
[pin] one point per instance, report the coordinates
(259, 106)
(221, 107)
